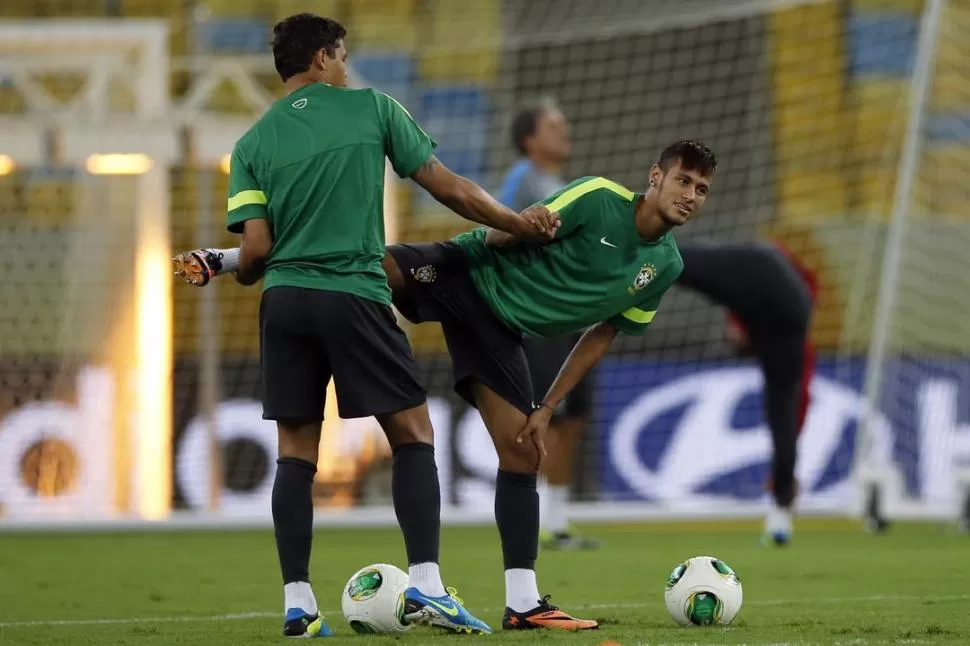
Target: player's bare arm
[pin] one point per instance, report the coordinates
(588, 351)
(538, 212)
(472, 202)
(254, 248)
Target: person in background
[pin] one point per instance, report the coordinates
(770, 297)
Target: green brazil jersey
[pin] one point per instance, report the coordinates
(597, 269)
(313, 166)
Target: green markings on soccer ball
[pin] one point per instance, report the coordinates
(365, 585)
(399, 611)
(724, 569)
(361, 628)
(676, 575)
(703, 609)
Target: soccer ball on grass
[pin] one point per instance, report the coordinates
(373, 600)
(702, 591)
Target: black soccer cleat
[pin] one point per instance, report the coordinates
(545, 615)
(199, 266)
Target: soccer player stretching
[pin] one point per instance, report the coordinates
(770, 297)
(612, 260)
(306, 193)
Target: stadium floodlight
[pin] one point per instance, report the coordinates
(118, 164)
(153, 426)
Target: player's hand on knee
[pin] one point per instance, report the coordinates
(542, 223)
(199, 266)
(535, 431)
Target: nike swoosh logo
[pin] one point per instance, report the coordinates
(608, 244)
(451, 611)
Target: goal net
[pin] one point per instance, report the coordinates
(809, 105)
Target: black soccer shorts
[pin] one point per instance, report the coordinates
(545, 357)
(482, 348)
(308, 336)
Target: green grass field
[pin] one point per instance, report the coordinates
(835, 585)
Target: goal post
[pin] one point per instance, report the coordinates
(916, 365)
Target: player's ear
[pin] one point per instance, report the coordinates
(656, 175)
(319, 60)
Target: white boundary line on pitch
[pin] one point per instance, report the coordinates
(591, 606)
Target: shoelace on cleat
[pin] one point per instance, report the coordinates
(544, 602)
(453, 593)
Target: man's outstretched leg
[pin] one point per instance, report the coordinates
(517, 517)
(782, 361)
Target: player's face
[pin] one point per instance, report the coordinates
(682, 192)
(551, 139)
(335, 69)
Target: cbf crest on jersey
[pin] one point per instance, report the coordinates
(644, 277)
(425, 274)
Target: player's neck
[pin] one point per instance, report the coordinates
(298, 82)
(650, 224)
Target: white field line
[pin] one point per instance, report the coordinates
(331, 613)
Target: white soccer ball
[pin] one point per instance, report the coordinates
(702, 591)
(373, 600)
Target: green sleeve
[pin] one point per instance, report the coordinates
(247, 201)
(579, 202)
(405, 143)
(636, 320)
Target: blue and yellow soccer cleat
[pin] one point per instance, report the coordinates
(444, 612)
(299, 623)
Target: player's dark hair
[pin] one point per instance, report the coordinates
(297, 38)
(526, 120)
(693, 155)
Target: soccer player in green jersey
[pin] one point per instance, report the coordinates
(306, 193)
(612, 260)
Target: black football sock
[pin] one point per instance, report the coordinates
(517, 517)
(293, 517)
(417, 500)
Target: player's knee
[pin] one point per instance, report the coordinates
(514, 457)
(408, 426)
(298, 439)
(416, 432)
